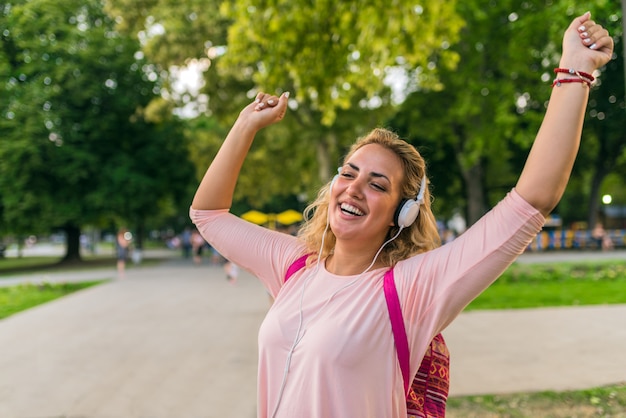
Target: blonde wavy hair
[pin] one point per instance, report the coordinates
(421, 236)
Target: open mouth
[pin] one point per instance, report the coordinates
(351, 210)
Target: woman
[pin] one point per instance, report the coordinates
(326, 347)
(197, 244)
(122, 249)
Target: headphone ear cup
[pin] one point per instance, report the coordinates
(406, 213)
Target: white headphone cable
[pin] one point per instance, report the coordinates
(299, 337)
(300, 321)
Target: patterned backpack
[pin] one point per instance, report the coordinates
(428, 392)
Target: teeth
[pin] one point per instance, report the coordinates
(351, 209)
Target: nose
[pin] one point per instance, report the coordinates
(355, 188)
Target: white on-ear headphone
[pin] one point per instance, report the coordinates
(408, 209)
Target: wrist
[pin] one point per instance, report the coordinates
(569, 75)
(577, 65)
(244, 127)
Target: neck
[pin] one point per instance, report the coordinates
(349, 263)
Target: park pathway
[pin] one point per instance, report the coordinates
(179, 341)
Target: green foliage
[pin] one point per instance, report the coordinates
(77, 144)
(486, 111)
(477, 128)
(18, 298)
(327, 52)
(474, 121)
(332, 57)
(171, 31)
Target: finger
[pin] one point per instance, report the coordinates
(283, 100)
(586, 33)
(604, 43)
(272, 101)
(582, 20)
(261, 101)
(266, 101)
(598, 38)
(591, 29)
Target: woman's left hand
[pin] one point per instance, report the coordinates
(587, 45)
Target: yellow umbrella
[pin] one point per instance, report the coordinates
(256, 217)
(289, 217)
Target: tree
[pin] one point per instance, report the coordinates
(74, 104)
(334, 57)
(482, 120)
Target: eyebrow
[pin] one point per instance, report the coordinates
(373, 173)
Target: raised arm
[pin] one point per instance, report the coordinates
(218, 185)
(587, 46)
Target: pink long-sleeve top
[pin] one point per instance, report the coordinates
(344, 363)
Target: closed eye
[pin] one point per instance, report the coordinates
(378, 187)
(351, 171)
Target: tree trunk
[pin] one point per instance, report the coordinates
(605, 161)
(140, 235)
(594, 199)
(594, 205)
(325, 171)
(473, 178)
(72, 238)
(602, 168)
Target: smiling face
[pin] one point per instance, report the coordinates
(365, 195)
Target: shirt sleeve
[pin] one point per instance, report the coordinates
(263, 252)
(436, 286)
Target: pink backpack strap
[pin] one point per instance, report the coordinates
(295, 266)
(397, 326)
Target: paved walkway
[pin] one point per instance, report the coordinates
(178, 340)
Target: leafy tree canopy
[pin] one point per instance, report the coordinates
(76, 143)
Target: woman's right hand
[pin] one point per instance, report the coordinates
(218, 185)
(264, 111)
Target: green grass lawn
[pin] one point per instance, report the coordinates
(609, 401)
(18, 298)
(557, 284)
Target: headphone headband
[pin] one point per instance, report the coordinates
(420, 195)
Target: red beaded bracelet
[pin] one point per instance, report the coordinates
(557, 82)
(571, 71)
